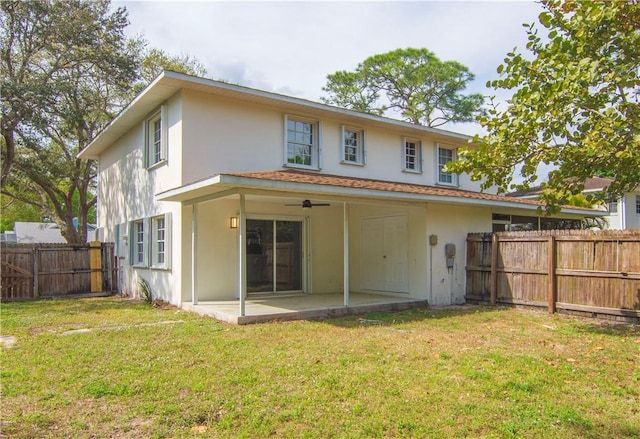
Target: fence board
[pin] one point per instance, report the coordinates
(599, 271)
(30, 271)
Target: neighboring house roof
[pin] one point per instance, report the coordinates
(168, 83)
(333, 185)
(45, 233)
(33, 233)
(593, 184)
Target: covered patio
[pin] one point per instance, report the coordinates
(301, 307)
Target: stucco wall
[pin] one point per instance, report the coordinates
(126, 192)
(223, 135)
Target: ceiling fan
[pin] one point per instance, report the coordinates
(307, 204)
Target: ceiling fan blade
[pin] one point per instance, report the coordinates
(320, 204)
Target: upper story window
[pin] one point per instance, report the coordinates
(638, 204)
(156, 138)
(446, 155)
(612, 205)
(352, 146)
(412, 155)
(302, 145)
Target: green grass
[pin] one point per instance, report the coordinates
(144, 372)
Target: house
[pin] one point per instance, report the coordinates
(226, 195)
(623, 213)
(34, 233)
(45, 233)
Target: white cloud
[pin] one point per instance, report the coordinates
(290, 47)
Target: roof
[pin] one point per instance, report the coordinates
(168, 83)
(345, 187)
(33, 233)
(593, 184)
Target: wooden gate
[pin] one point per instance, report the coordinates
(17, 274)
(31, 271)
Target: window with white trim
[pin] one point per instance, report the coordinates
(138, 252)
(302, 143)
(160, 241)
(412, 155)
(446, 155)
(156, 138)
(352, 145)
(612, 205)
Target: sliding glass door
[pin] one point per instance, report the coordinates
(274, 256)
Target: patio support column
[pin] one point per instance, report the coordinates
(194, 228)
(242, 259)
(345, 253)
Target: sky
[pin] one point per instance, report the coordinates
(290, 47)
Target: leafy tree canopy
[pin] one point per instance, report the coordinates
(411, 82)
(575, 105)
(66, 69)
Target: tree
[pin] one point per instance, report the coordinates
(412, 82)
(574, 105)
(67, 69)
(156, 60)
(14, 210)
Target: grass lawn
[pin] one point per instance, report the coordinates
(144, 372)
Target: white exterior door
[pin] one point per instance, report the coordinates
(384, 254)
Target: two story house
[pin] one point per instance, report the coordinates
(215, 192)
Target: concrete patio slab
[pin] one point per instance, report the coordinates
(301, 307)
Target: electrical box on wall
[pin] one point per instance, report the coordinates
(433, 239)
(450, 253)
(450, 250)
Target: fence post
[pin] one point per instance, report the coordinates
(36, 269)
(552, 284)
(95, 264)
(493, 288)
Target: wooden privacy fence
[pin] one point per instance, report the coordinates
(31, 271)
(572, 270)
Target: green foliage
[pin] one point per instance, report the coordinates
(145, 290)
(412, 82)
(66, 69)
(155, 61)
(575, 105)
(13, 210)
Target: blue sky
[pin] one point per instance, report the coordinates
(290, 47)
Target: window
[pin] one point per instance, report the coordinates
(352, 145)
(446, 155)
(638, 204)
(412, 155)
(159, 240)
(612, 205)
(150, 242)
(302, 143)
(155, 138)
(138, 243)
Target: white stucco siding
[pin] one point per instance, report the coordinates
(126, 193)
(451, 224)
(222, 135)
